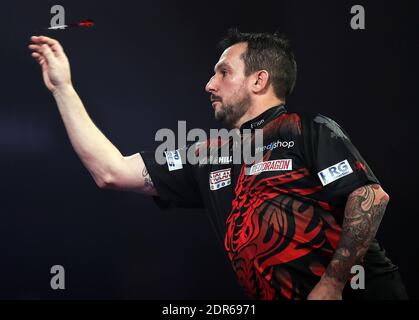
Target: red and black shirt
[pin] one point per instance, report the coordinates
(279, 220)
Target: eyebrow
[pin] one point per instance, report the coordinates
(221, 65)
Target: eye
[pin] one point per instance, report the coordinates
(224, 72)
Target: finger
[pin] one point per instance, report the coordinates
(39, 58)
(54, 44)
(35, 47)
(42, 39)
(47, 52)
(35, 39)
(48, 40)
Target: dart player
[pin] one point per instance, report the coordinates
(293, 229)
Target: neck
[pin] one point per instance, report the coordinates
(258, 108)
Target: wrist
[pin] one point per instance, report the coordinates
(62, 89)
(334, 283)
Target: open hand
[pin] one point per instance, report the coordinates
(51, 57)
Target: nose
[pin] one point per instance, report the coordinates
(210, 87)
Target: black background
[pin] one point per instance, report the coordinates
(143, 67)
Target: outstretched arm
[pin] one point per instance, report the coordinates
(108, 167)
(363, 213)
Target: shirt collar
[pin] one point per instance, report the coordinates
(263, 118)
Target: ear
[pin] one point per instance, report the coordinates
(260, 81)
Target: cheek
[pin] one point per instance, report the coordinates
(232, 86)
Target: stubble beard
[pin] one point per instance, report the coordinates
(230, 114)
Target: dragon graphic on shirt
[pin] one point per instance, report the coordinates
(273, 238)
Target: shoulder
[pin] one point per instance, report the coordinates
(286, 124)
(312, 122)
(315, 118)
(307, 118)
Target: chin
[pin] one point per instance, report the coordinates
(218, 115)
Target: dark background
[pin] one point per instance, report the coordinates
(143, 67)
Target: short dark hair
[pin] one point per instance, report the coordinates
(266, 51)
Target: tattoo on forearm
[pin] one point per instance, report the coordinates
(363, 214)
(148, 183)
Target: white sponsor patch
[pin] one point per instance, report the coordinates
(273, 165)
(174, 162)
(335, 172)
(220, 179)
(225, 160)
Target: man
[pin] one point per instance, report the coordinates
(294, 224)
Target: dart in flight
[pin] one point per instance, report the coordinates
(86, 23)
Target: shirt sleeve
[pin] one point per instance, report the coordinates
(174, 181)
(333, 159)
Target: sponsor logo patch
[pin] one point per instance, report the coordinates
(335, 172)
(174, 162)
(276, 144)
(220, 179)
(216, 160)
(225, 160)
(272, 165)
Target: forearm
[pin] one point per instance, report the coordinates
(96, 152)
(363, 213)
